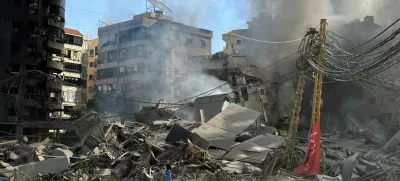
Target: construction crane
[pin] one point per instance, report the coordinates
(317, 95)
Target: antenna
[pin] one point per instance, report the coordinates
(158, 7)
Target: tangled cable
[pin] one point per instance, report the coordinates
(365, 67)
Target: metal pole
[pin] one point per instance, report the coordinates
(317, 95)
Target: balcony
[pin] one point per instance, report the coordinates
(132, 77)
(55, 47)
(53, 104)
(54, 85)
(107, 65)
(58, 67)
(106, 81)
(58, 24)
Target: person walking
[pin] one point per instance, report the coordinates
(168, 173)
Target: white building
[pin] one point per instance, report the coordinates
(74, 73)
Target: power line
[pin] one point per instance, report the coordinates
(373, 38)
(244, 37)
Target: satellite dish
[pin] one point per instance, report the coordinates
(160, 5)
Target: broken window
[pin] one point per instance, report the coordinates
(73, 40)
(189, 41)
(123, 53)
(112, 56)
(238, 42)
(91, 64)
(67, 53)
(91, 53)
(56, 34)
(57, 11)
(73, 67)
(90, 77)
(107, 73)
(95, 50)
(203, 44)
(103, 58)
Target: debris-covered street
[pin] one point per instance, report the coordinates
(222, 148)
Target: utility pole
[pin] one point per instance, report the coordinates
(317, 95)
(317, 100)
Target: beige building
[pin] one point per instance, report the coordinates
(92, 68)
(234, 44)
(74, 73)
(141, 57)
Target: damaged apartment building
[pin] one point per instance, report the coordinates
(74, 75)
(140, 58)
(32, 35)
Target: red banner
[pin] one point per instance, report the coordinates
(311, 164)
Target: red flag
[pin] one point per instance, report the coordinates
(311, 164)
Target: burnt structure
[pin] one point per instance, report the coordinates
(31, 35)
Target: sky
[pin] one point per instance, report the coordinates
(222, 14)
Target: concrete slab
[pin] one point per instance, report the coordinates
(178, 133)
(222, 143)
(62, 152)
(211, 106)
(228, 123)
(54, 165)
(216, 153)
(199, 141)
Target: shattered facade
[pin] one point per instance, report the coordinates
(32, 35)
(141, 57)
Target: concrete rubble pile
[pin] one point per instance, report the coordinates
(352, 156)
(140, 150)
(222, 147)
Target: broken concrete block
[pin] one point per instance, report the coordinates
(250, 169)
(11, 156)
(62, 152)
(55, 165)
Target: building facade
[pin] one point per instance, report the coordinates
(92, 68)
(140, 58)
(235, 44)
(32, 35)
(74, 74)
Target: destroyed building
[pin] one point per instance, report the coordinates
(139, 58)
(31, 90)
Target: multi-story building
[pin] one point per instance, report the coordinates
(235, 44)
(141, 57)
(92, 68)
(31, 35)
(74, 74)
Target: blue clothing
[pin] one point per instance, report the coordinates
(168, 175)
